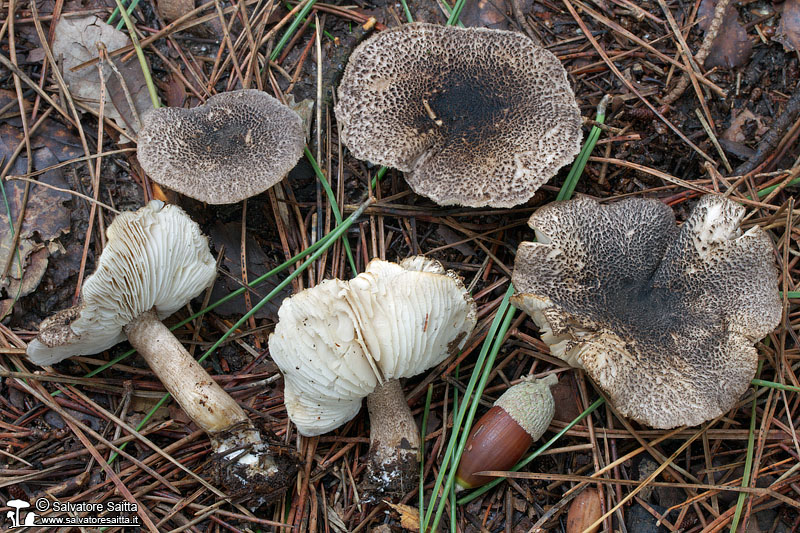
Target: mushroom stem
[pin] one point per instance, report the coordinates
(394, 441)
(244, 461)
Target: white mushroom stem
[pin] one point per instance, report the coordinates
(394, 438)
(206, 403)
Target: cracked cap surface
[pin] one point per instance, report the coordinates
(662, 318)
(238, 144)
(474, 117)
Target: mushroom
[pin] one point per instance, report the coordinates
(501, 437)
(238, 144)
(662, 318)
(474, 117)
(155, 261)
(343, 340)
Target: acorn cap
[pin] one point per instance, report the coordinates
(156, 258)
(474, 117)
(335, 342)
(237, 145)
(530, 404)
(663, 319)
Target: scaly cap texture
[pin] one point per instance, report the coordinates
(155, 258)
(335, 342)
(663, 319)
(530, 404)
(474, 117)
(238, 144)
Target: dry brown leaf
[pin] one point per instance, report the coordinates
(173, 9)
(230, 236)
(485, 14)
(788, 32)
(76, 41)
(735, 131)
(731, 47)
(45, 220)
(584, 511)
(409, 516)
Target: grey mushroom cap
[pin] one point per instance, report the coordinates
(156, 259)
(663, 318)
(237, 145)
(474, 117)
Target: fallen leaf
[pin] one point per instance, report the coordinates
(788, 32)
(46, 219)
(485, 14)
(409, 516)
(76, 41)
(585, 510)
(735, 131)
(567, 408)
(173, 9)
(450, 237)
(230, 236)
(731, 48)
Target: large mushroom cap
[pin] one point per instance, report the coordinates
(237, 145)
(156, 258)
(475, 117)
(337, 341)
(663, 319)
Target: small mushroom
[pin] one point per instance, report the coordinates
(662, 318)
(238, 144)
(474, 117)
(501, 437)
(343, 340)
(155, 261)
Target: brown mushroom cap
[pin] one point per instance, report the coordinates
(662, 318)
(475, 117)
(238, 144)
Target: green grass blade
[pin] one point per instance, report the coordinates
(407, 11)
(458, 418)
(334, 204)
(773, 385)
(508, 315)
(292, 28)
(748, 462)
(423, 432)
(580, 162)
(148, 78)
(456, 12)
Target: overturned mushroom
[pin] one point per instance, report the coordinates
(238, 144)
(475, 117)
(343, 340)
(155, 261)
(662, 318)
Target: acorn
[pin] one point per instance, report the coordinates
(502, 436)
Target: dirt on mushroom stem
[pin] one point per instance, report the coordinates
(393, 467)
(243, 463)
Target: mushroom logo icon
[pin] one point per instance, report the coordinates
(13, 516)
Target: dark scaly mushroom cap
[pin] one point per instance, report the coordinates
(238, 144)
(475, 117)
(662, 318)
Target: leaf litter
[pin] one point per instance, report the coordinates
(638, 154)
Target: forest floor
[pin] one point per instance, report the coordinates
(725, 119)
